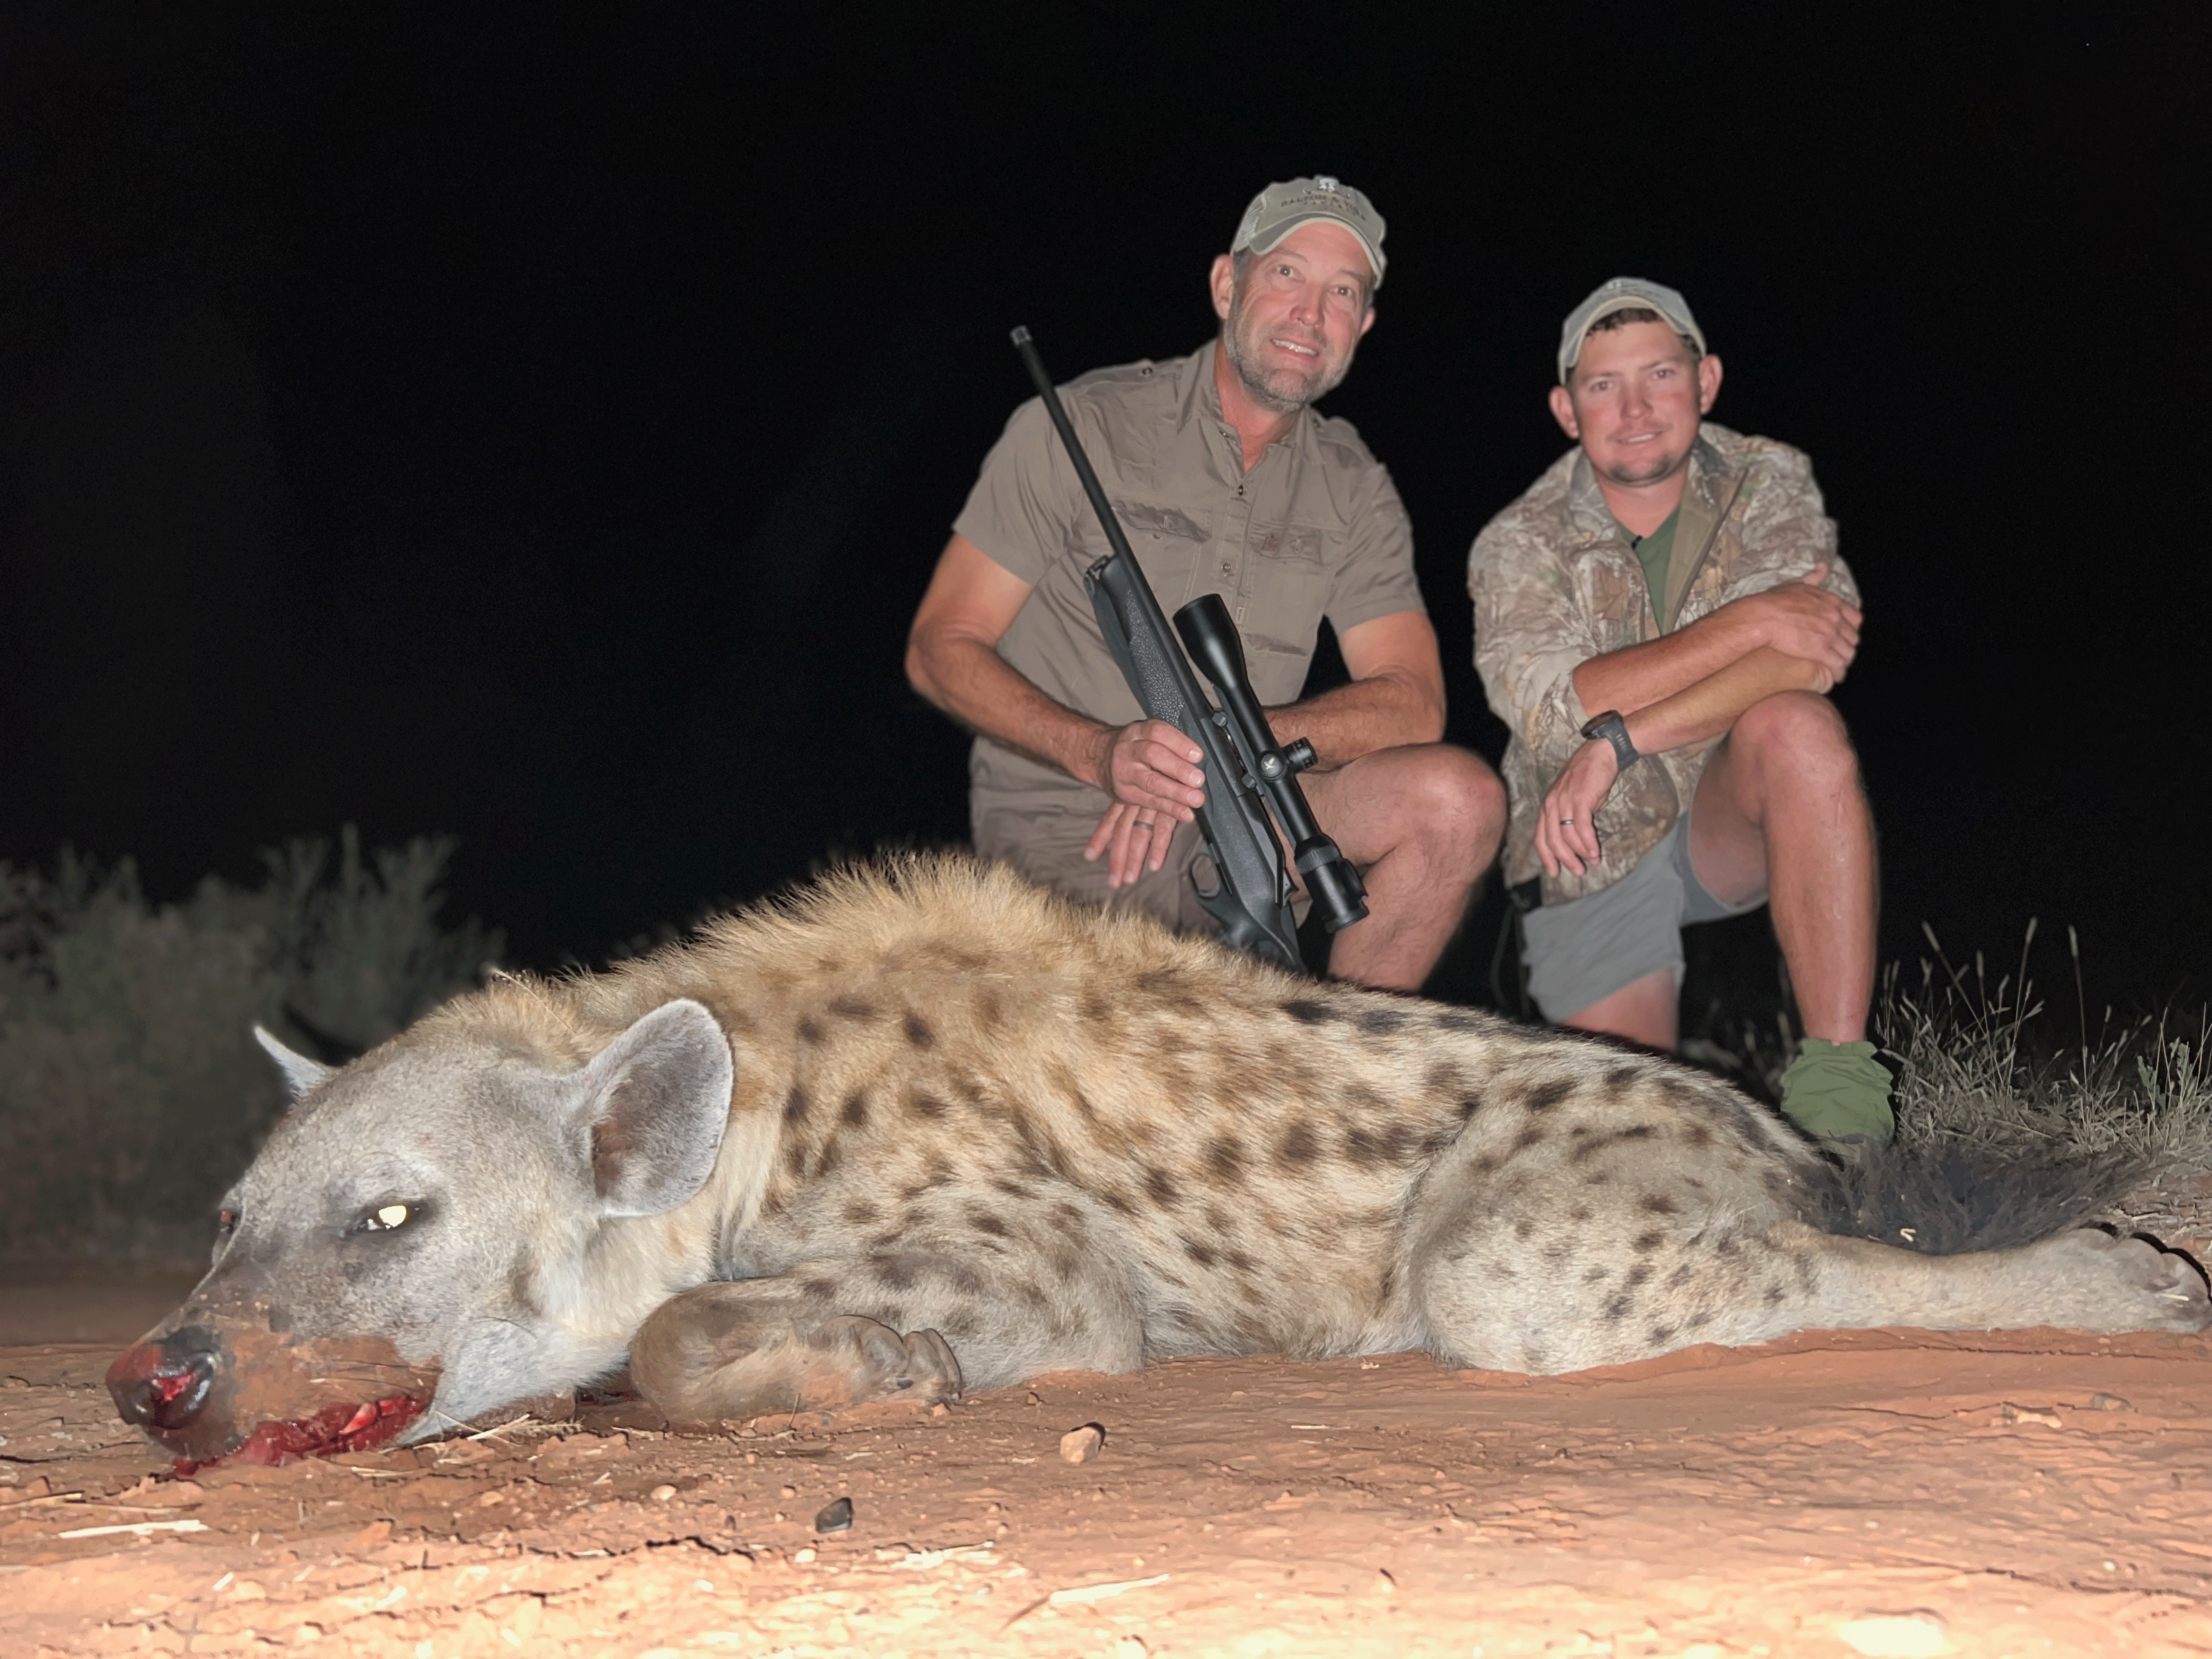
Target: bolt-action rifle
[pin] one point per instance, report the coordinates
(1248, 775)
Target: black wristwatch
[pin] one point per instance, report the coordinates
(1615, 730)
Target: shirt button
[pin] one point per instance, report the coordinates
(1227, 568)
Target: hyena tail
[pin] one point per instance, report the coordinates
(1954, 1198)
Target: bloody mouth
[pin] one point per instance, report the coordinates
(338, 1427)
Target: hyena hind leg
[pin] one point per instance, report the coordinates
(2084, 1280)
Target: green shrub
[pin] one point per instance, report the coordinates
(132, 1091)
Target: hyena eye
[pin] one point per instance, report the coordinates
(225, 1223)
(384, 1218)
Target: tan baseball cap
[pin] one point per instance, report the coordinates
(1625, 294)
(1280, 210)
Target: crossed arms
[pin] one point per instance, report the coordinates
(1690, 685)
(1148, 769)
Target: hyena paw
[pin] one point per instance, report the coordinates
(882, 1364)
(2131, 1285)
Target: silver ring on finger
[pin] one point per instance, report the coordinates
(1566, 823)
(1144, 824)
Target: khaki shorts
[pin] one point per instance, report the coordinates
(1583, 951)
(1045, 847)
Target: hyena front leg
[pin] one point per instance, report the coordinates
(744, 1347)
(914, 1325)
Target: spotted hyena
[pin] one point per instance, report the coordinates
(923, 1127)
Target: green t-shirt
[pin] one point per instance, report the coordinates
(1652, 552)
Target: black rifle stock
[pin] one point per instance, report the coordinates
(1242, 762)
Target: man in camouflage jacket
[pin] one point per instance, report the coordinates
(1658, 621)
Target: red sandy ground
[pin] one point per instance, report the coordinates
(1872, 1493)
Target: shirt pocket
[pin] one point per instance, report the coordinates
(1168, 542)
(1286, 588)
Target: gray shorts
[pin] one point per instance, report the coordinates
(1583, 951)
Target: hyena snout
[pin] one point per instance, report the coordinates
(164, 1385)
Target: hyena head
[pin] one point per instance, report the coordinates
(383, 1269)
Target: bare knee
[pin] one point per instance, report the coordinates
(1453, 810)
(1796, 734)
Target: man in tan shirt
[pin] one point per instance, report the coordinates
(1658, 621)
(1226, 481)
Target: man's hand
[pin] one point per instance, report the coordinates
(1803, 619)
(1151, 771)
(1567, 827)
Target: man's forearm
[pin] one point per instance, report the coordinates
(1383, 712)
(1710, 706)
(969, 681)
(1638, 676)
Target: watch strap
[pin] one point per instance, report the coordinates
(1615, 730)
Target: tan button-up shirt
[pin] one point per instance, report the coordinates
(1314, 530)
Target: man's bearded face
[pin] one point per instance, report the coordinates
(1297, 316)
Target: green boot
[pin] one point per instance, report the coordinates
(1838, 1091)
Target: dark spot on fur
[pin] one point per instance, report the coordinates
(1242, 1262)
(1647, 1241)
(1699, 1322)
(1531, 1136)
(810, 1030)
(917, 1030)
(855, 1109)
(1012, 1188)
(796, 1105)
(1620, 1077)
(1660, 1334)
(852, 1007)
(521, 1291)
(1557, 1252)
(1597, 1178)
(1638, 1132)
(1523, 1227)
(794, 1158)
(1299, 1145)
(1382, 1022)
(1594, 1275)
(1457, 1020)
(1617, 1307)
(924, 1104)
(1537, 1359)
(831, 1155)
(1545, 1096)
(1065, 1265)
(1361, 1148)
(1580, 1212)
(1682, 1275)
(1483, 1166)
(1388, 1284)
(896, 1274)
(1200, 1252)
(818, 1290)
(1773, 1296)
(1224, 1159)
(859, 1212)
(1657, 1204)
(1698, 1135)
(1160, 1186)
(1725, 1245)
(1116, 1200)
(984, 1222)
(1638, 1275)
(961, 1277)
(1307, 1011)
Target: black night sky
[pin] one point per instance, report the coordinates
(540, 429)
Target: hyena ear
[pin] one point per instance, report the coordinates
(301, 1072)
(653, 1107)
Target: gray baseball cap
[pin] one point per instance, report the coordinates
(1280, 210)
(1624, 294)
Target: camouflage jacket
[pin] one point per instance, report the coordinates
(1555, 583)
